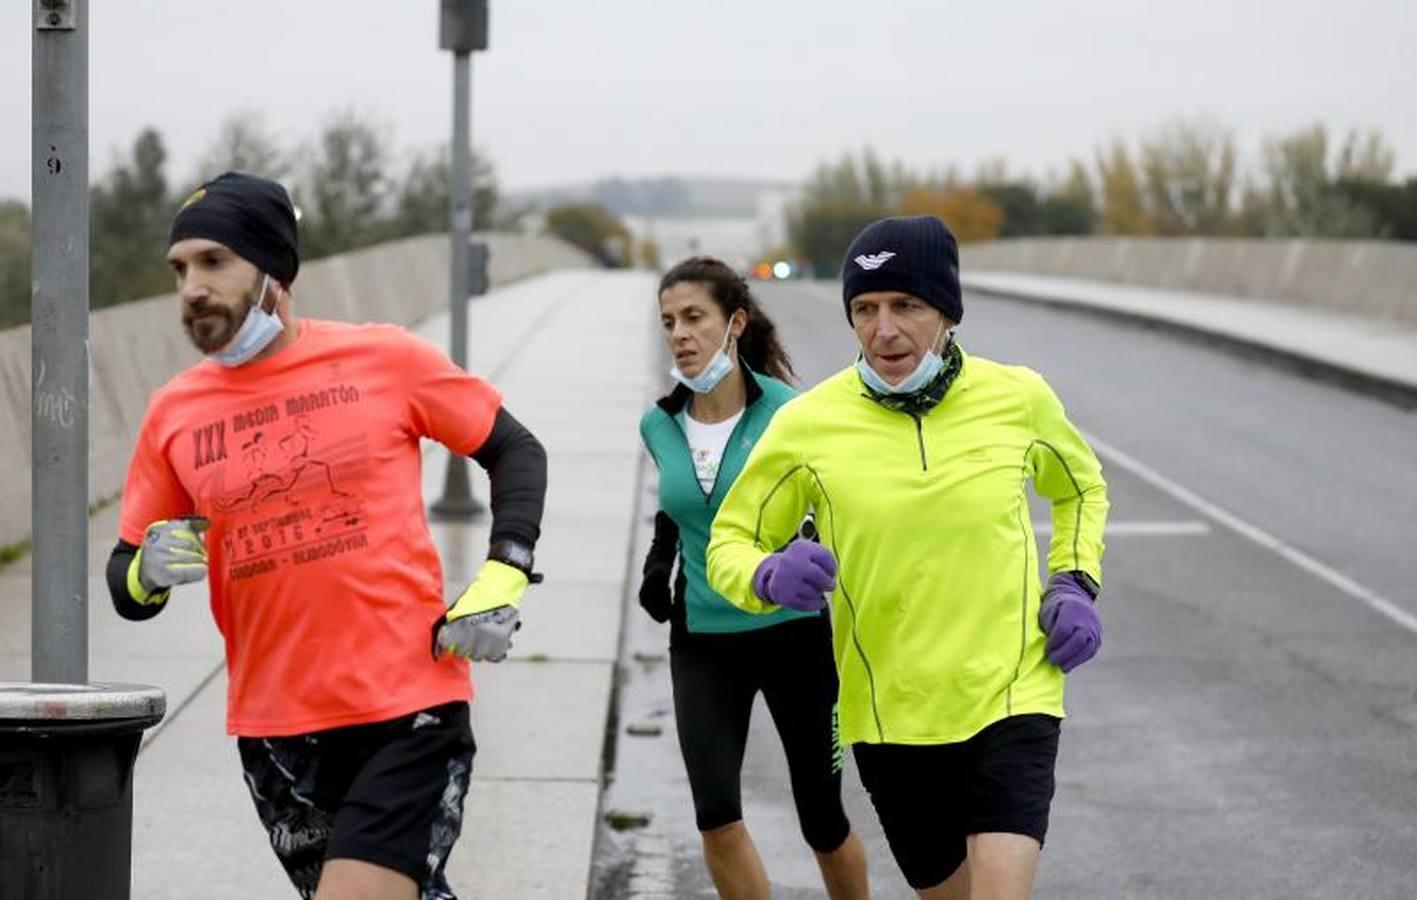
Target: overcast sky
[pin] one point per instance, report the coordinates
(574, 90)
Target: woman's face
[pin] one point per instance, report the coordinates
(694, 326)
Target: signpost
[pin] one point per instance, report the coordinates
(462, 29)
(67, 747)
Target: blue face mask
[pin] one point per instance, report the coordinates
(931, 362)
(717, 369)
(254, 335)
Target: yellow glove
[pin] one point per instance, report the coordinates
(480, 624)
(172, 553)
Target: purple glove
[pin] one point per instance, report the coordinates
(1070, 620)
(797, 577)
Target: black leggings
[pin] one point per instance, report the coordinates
(716, 678)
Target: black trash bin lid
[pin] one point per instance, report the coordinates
(25, 701)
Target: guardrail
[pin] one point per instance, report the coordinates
(1373, 279)
(136, 347)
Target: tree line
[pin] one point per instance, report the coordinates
(1184, 179)
(344, 181)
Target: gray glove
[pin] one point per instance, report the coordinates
(172, 553)
(481, 636)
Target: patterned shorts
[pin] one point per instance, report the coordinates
(388, 793)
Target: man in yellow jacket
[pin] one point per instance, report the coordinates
(950, 651)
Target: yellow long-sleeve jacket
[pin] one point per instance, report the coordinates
(935, 613)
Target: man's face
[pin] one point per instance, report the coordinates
(217, 289)
(895, 330)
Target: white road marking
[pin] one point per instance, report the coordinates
(1375, 601)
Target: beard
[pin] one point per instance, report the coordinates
(211, 326)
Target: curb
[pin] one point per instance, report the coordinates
(1399, 393)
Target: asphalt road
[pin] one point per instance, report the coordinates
(1249, 729)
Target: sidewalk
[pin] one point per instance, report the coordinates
(571, 352)
(1374, 355)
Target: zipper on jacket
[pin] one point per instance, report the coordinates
(919, 434)
(920, 439)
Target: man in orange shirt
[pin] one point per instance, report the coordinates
(285, 469)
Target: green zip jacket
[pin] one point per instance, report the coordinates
(683, 498)
(935, 614)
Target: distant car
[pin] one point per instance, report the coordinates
(774, 270)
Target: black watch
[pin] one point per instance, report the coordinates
(1088, 583)
(516, 555)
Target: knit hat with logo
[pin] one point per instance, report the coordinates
(253, 216)
(916, 255)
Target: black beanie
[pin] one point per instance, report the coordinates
(916, 255)
(252, 216)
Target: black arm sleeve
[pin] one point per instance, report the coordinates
(118, 562)
(664, 546)
(516, 465)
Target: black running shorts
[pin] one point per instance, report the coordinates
(929, 798)
(388, 793)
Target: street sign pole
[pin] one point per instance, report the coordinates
(59, 336)
(462, 29)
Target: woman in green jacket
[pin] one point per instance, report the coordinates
(950, 650)
(731, 371)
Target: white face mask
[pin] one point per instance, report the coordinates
(254, 335)
(719, 365)
(930, 364)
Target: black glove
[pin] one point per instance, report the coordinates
(656, 589)
(656, 595)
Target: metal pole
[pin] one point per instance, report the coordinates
(59, 311)
(461, 202)
(457, 502)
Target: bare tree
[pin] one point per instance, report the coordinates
(1189, 173)
(1365, 157)
(1123, 207)
(344, 189)
(423, 195)
(243, 144)
(1298, 197)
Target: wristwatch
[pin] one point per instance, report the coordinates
(1087, 582)
(515, 554)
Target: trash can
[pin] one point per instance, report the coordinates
(66, 787)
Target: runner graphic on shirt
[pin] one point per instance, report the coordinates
(292, 505)
(265, 485)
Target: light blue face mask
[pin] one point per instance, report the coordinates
(254, 335)
(719, 365)
(931, 362)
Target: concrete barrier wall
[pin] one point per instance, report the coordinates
(1374, 279)
(136, 347)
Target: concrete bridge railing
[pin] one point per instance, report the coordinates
(136, 347)
(1372, 279)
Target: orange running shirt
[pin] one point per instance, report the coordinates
(323, 576)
